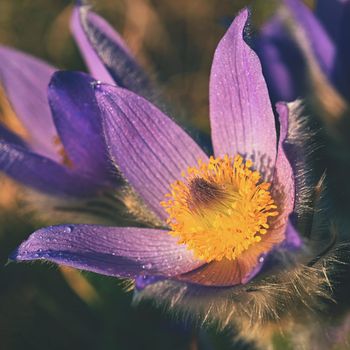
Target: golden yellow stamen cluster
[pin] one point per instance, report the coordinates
(220, 208)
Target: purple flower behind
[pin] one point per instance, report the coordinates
(325, 33)
(62, 151)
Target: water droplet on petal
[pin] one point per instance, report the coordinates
(147, 266)
(67, 229)
(95, 84)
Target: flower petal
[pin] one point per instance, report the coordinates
(25, 80)
(106, 54)
(335, 14)
(320, 42)
(113, 251)
(332, 13)
(148, 147)
(242, 119)
(283, 181)
(227, 273)
(9, 136)
(92, 60)
(41, 173)
(293, 239)
(282, 63)
(77, 118)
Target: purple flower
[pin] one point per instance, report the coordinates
(316, 44)
(61, 149)
(214, 221)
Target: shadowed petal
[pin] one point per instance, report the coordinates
(282, 62)
(293, 239)
(9, 136)
(41, 173)
(227, 273)
(242, 119)
(77, 118)
(148, 147)
(320, 42)
(283, 181)
(331, 14)
(25, 80)
(92, 60)
(113, 251)
(335, 15)
(106, 54)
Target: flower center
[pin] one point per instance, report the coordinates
(220, 208)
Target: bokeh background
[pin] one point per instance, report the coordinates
(43, 306)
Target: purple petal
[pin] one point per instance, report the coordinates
(148, 147)
(282, 62)
(106, 54)
(293, 239)
(77, 118)
(283, 181)
(242, 119)
(25, 80)
(92, 60)
(42, 173)
(141, 282)
(227, 273)
(321, 44)
(113, 251)
(9, 136)
(332, 13)
(341, 76)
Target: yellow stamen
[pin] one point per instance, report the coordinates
(220, 208)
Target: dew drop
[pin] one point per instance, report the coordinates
(67, 229)
(261, 259)
(147, 266)
(95, 84)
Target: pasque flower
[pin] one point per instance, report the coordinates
(217, 218)
(216, 234)
(53, 146)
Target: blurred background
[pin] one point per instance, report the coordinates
(43, 306)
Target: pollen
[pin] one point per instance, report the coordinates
(220, 208)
